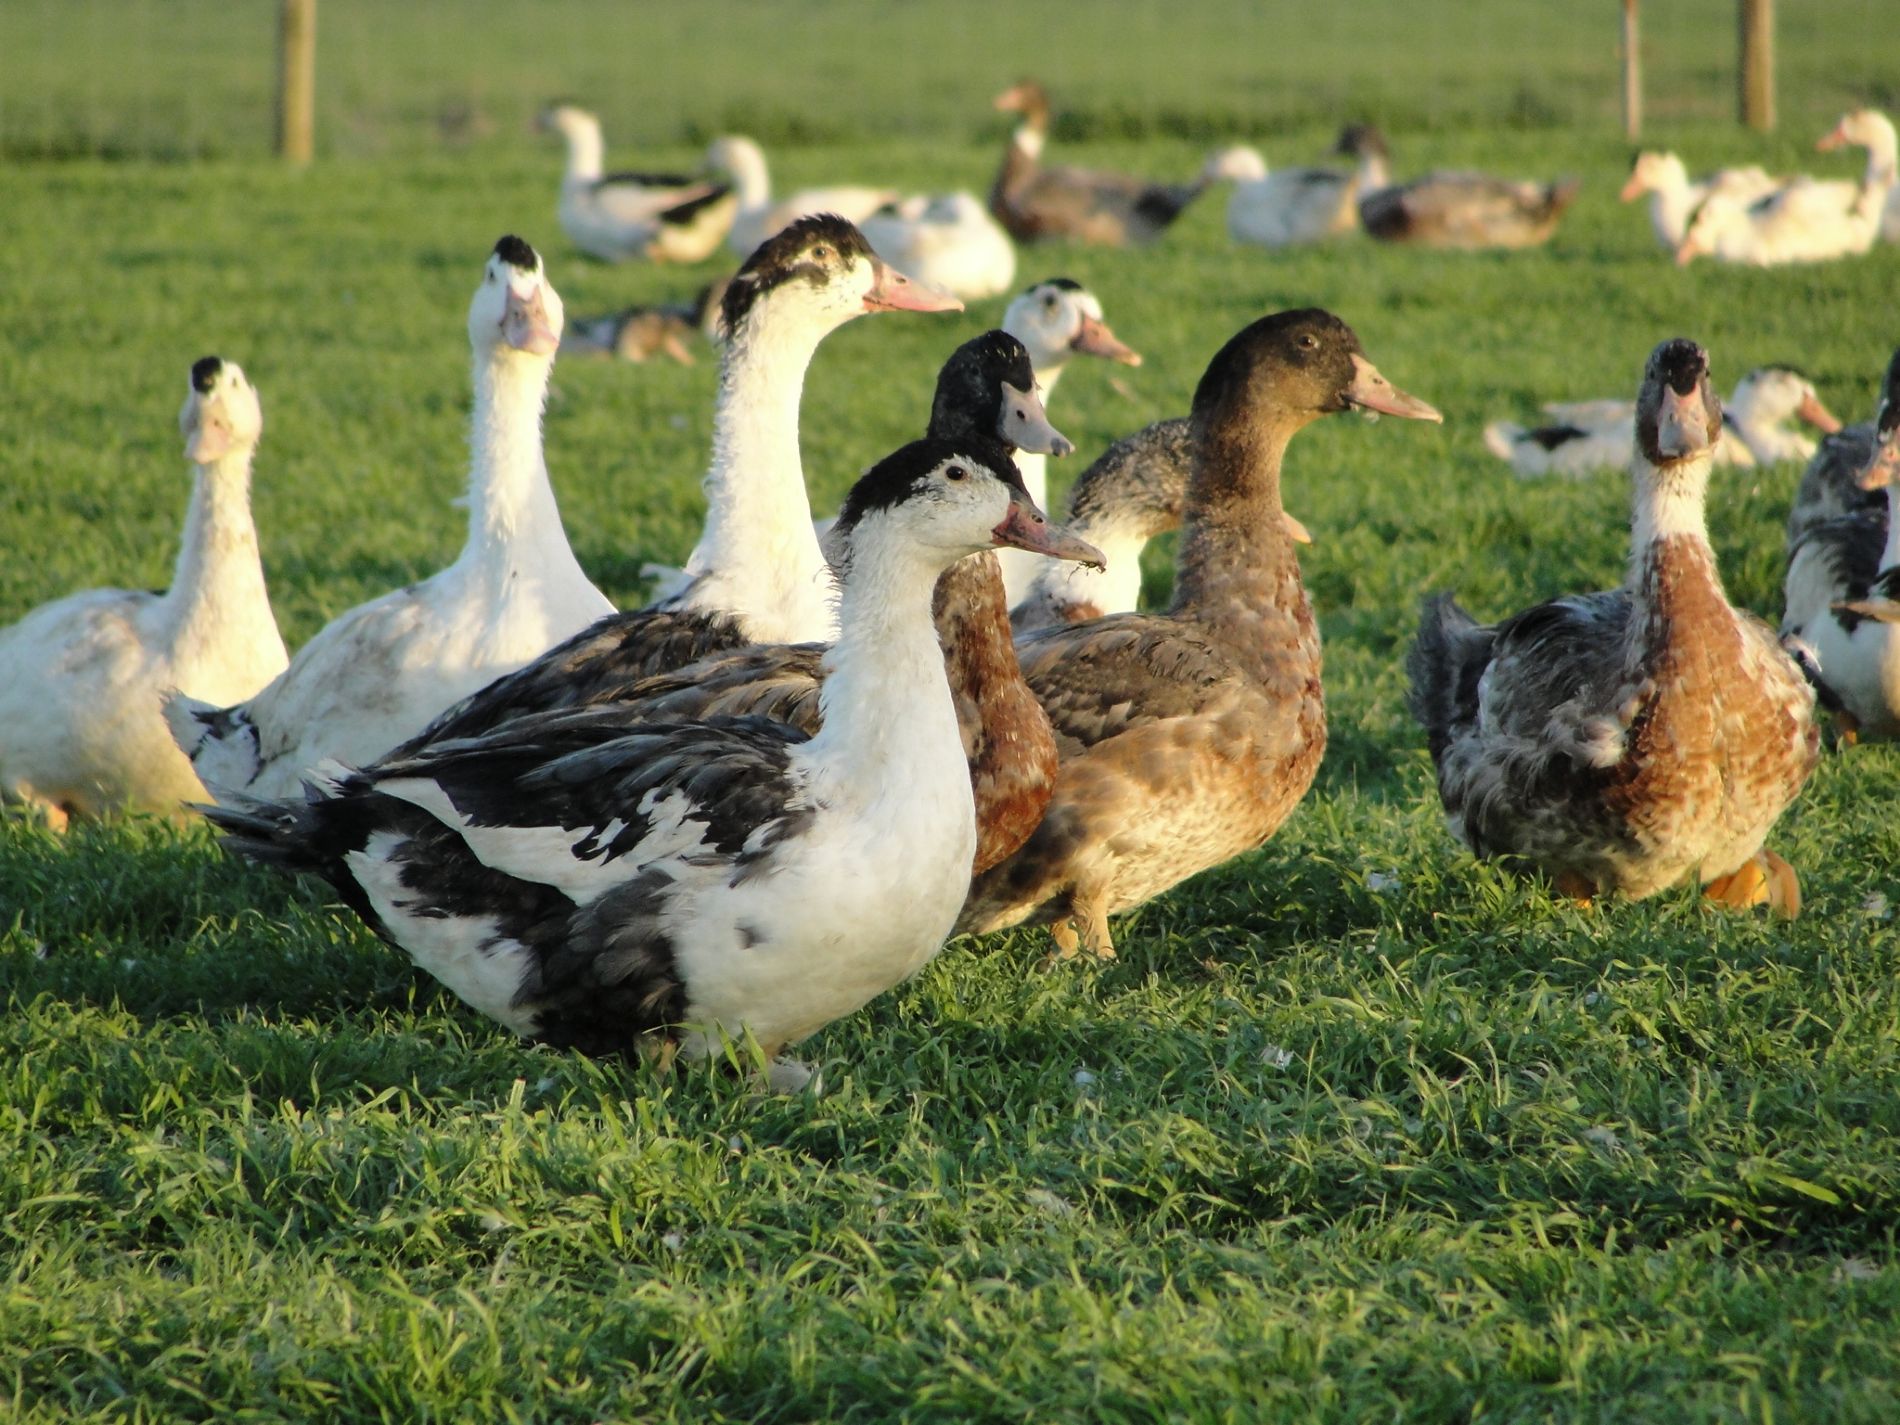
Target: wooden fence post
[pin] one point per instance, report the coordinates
(1632, 75)
(296, 80)
(1758, 63)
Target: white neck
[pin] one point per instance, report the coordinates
(745, 161)
(1670, 204)
(1029, 139)
(1881, 157)
(511, 509)
(217, 595)
(1670, 503)
(886, 697)
(1373, 173)
(586, 154)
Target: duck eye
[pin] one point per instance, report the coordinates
(1308, 341)
(1049, 304)
(821, 252)
(956, 472)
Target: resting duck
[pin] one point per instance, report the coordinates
(377, 673)
(759, 217)
(1586, 436)
(662, 217)
(638, 334)
(621, 890)
(1188, 736)
(1843, 583)
(1056, 319)
(757, 574)
(1806, 219)
(1466, 210)
(81, 678)
(948, 240)
(1083, 204)
(985, 393)
(1624, 740)
(1290, 206)
(1674, 197)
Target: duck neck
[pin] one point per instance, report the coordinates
(1374, 173)
(217, 593)
(886, 694)
(745, 164)
(1236, 566)
(586, 154)
(1883, 156)
(1673, 581)
(1671, 202)
(511, 505)
(758, 514)
(971, 614)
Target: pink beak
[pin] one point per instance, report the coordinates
(1833, 139)
(1687, 252)
(525, 325)
(1093, 338)
(1682, 425)
(892, 291)
(1632, 189)
(1884, 469)
(1817, 415)
(1373, 392)
(1026, 527)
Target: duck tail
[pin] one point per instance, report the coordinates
(1444, 666)
(220, 743)
(1561, 195)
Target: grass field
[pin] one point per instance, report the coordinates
(1355, 1129)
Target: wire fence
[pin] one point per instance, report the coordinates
(178, 79)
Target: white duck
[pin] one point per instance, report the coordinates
(1585, 436)
(378, 673)
(1055, 319)
(663, 217)
(1674, 197)
(948, 240)
(1807, 219)
(1300, 205)
(757, 574)
(759, 217)
(623, 890)
(1843, 581)
(81, 679)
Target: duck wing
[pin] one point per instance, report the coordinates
(1099, 679)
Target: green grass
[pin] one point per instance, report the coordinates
(1356, 1128)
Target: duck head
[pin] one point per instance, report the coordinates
(221, 413)
(1884, 468)
(1236, 164)
(1678, 416)
(988, 387)
(821, 268)
(516, 308)
(1029, 99)
(1651, 172)
(1866, 128)
(1059, 317)
(1774, 394)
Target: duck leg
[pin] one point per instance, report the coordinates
(1846, 729)
(1086, 925)
(1745, 886)
(1575, 885)
(1784, 886)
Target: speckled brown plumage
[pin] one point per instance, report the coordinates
(1187, 737)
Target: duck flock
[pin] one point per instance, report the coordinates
(823, 749)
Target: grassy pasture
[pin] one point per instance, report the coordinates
(1355, 1129)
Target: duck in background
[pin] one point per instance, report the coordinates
(1083, 204)
(1188, 736)
(638, 334)
(1586, 436)
(947, 240)
(81, 679)
(759, 218)
(1290, 206)
(378, 672)
(1843, 582)
(663, 217)
(758, 573)
(1674, 197)
(1467, 210)
(632, 890)
(1621, 741)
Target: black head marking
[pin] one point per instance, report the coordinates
(1360, 140)
(205, 372)
(902, 473)
(1296, 361)
(969, 388)
(516, 253)
(1067, 284)
(1680, 366)
(796, 251)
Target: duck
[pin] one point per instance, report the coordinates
(948, 240)
(1585, 436)
(1057, 319)
(759, 217)
(662, 217)
(377, 673)
(1467, 210)
(675, 888)
(1292, 206)
(1843, 581)
(81, 678)
(1806, 219)
(1674, 196)
(638, 334)
(758, 573)
(1621, 742)
(985, 392)
(1188, 736)
(1080, 204)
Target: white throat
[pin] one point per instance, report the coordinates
(217, 597)
(1670, 503)
(586, 153)
(511, 511)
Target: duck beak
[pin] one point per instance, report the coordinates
(1687, 251)
(1817, 415)
(1682, 423)
(1010, 99)
(525, 325)
(1884, 469)
(208, 436)
(1834, 138)
(1372, 392)
(892, 291)
(1093, 338)
(1632, 189)
(1026, 527)
(1025, 425)
(1295, 531)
